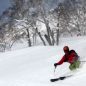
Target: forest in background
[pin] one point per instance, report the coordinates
(41, 20)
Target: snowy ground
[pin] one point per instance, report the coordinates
(34, 66)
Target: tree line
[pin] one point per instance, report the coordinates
(24, 20)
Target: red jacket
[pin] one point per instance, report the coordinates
(70, 57)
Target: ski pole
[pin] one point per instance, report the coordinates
(82, 61)
(54, 71)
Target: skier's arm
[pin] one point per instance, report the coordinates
(61, 61)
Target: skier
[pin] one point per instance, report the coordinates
(71, 57)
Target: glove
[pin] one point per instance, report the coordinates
(55, 65)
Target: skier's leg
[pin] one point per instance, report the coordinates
(72, 66)
(77, 64)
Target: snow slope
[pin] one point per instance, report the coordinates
(34, 66)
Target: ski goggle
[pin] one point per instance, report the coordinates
(66, 50)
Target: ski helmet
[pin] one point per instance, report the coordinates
(66, 48)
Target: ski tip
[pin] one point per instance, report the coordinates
(53, 80)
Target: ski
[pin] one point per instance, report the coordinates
(60, 78)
